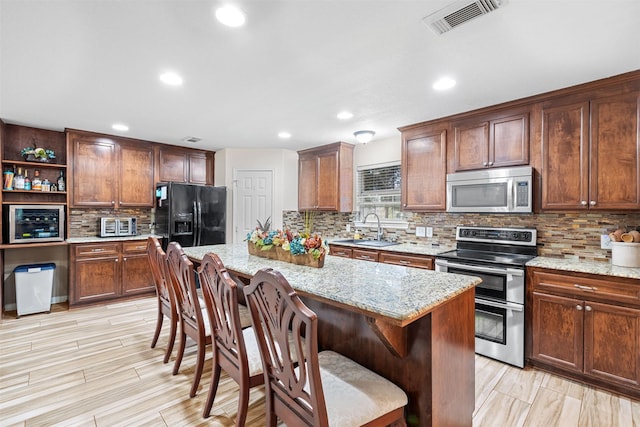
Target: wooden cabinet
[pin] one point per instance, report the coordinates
(341, 251)
(365, 255)
(417, 261)
(385, 257)
(497, 141)
(185, 165)
(590, 153)
(110, 270)
(325, 178)
(587, 326)
(424, 168)
(110, 172)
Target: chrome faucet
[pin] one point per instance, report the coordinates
(379, 227)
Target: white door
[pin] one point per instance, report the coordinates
(252, 201)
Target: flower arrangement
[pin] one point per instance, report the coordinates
(37, 153)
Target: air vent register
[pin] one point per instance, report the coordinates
(458, 13)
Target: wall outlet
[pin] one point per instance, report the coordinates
(605, 241)
(421, 232)
(348, 228)
(429, 231)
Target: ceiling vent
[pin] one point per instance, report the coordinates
(458, 13)
(191, 139)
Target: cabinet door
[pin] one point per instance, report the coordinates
(136, 274)
(96, 279)
(200, 168)
(565, 156)
(471, 145)
(509, 141)
(612, 343)
(136, 175)
(615, 144)
(307, 182)
(365, 255)
(327, 185)
(417, 261)
(173, 165)
(424, 171)
(95, 172)
(341, 251)
(557, 331)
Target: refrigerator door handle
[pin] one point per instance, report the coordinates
(199, 224)
(196, 226)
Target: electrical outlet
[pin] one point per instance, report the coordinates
(605, 241)
(421, 232)
(429, 231)
(348, 228)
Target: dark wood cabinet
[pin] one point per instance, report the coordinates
(424, 168)
(590, 153)
(185, 165)
(491, 142)
(588, 327)
(325, 178)
(385, 257)
(110, 172)
(365, 254)
(107, 271)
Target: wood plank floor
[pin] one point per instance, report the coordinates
(93, 367)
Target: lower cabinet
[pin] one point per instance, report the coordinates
(110, 270)
(386, 257)
(587, 327)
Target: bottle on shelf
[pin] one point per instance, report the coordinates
(18, 180)
(46, 185)
(36, 182)
(61, 184)
(8, 179)
(27, 181)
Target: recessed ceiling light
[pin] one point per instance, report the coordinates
(345, 115)
(171, 78)
(284, 135)
(444, 83)
(120, 127)
(230, 16)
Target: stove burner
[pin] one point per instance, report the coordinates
(487, 257)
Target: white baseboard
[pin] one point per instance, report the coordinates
(54, 300)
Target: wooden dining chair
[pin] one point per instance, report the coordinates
(235, 350)
(164, 293)
(194, 321)
(323, 389)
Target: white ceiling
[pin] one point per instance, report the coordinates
(293, 66)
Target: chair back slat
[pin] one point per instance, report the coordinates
(278, 313)
(158, 265)
(182, 277)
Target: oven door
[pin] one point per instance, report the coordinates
(500, 331)
(498, 283)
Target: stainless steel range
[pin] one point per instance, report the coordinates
(498, 256)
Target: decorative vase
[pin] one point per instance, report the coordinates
(280, 254)
(33, 158)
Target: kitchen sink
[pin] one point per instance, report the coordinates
(373, 243)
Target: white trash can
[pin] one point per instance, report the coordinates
(34, 284)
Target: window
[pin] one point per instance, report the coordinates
(378, 191)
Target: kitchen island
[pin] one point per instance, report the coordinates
(415, 327)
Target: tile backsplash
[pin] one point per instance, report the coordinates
(560, 235)
(86, 222)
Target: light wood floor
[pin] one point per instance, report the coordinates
(94, 367)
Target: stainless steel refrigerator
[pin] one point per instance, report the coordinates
(192, 215)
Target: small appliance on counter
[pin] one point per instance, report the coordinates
(114, 227)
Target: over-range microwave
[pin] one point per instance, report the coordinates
(34, 223)
(500, 190)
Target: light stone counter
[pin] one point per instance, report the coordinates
(407, 248)
(591, 267)
(97, 239)
(401, 294)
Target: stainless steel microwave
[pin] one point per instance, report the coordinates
(111, 227)
(35, 223)
(500, 190)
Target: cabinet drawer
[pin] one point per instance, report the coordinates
(425, 262)
(341, 251)
(365, 255)
(134, 247)
(607, 288)
(98, 249)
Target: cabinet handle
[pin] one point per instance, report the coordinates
(405, 262)
(592, 203)
(587, 308)
(113, 202)
(583, 203)
(116, 260)
(585, 288)
(97, 250)
(490, 163)
(485, 164)
(364, 257)
(124, 259)
(579, 307)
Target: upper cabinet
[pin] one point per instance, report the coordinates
(590, 152)
(110, 172)
(424, 168)
(498, 140)
(185, 165)
(325, 178)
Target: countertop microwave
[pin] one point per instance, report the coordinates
(35, 223)
(500, 190)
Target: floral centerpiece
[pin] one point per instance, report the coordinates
(37, 154)
(285, 245)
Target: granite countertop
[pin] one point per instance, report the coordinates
(402, 294)
(98, 239)
(581, 266)
(407, 248)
